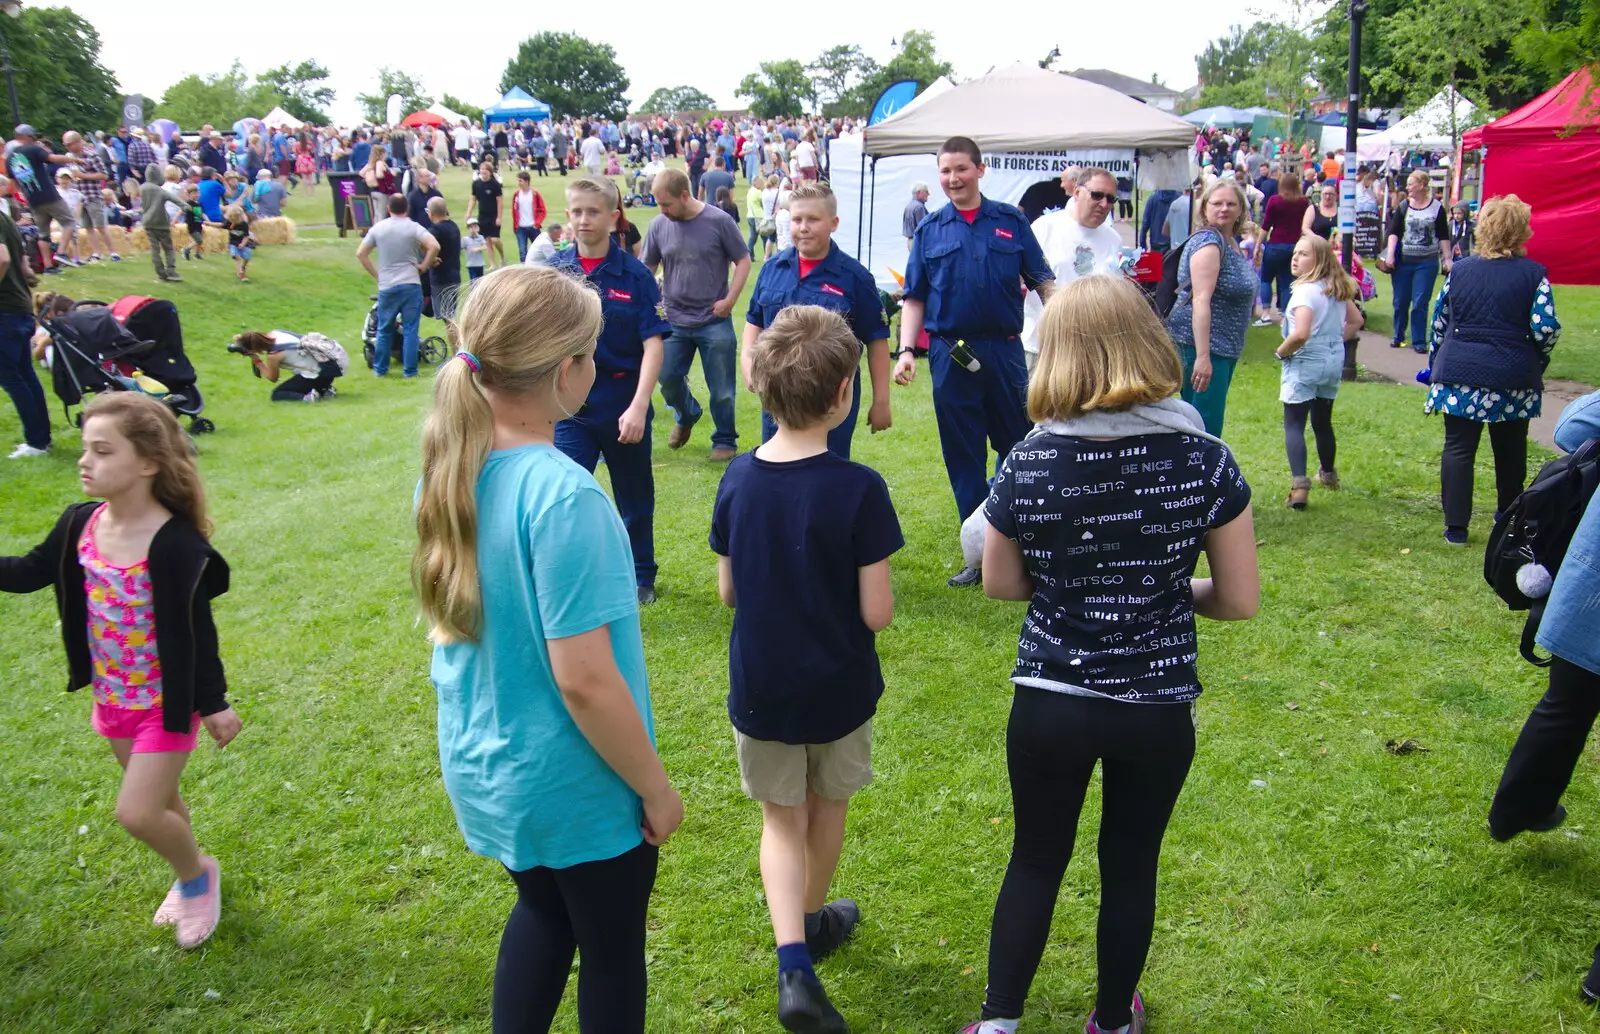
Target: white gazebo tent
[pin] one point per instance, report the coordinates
(1029, 122)
(278, 117)
(1426, 129)
(451, 118)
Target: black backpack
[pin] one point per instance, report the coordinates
(1166, 292)
(1536, 529)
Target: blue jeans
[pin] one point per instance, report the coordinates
(404, 301)
(19, 380)
(1213, 402)
(977, 410)
(1275, 272)
(1412, 283)
(526, 235)
(839, 437)
(751, 243)
(718, 357)
(593, 434)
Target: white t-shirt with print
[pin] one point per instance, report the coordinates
(1327, 318)
(1072, 250)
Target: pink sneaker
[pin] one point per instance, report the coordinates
(1135, 1026)
(167, 914)
(198, 916)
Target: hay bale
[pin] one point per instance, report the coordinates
(278, 230)
(135, 240)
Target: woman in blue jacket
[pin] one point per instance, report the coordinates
(1553, 738)
(1493, 329)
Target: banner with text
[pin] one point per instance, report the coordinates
(1116, 161)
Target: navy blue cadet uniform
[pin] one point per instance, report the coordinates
(970, 279)
(631, 303)
(837, 282)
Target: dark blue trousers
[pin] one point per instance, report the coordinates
(972, 408)
(591, 434)
(839, 437)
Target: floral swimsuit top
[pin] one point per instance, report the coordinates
(122, 638)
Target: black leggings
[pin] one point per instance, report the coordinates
(1052, 744)
(295, 388)
(1547, 750)
(596, 909)
(1125, 207)
(1508, 439)
(1294, 433)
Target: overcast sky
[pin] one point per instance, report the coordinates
(461, 48)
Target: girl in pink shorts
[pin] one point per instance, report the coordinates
(134, 576)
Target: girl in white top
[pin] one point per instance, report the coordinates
(1320, 317)
(783, 220)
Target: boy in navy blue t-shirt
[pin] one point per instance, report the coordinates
(804, 539)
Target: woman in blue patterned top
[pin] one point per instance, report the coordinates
(1216, 290)
(1494, 326)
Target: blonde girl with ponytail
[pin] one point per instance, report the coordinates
(525, 578)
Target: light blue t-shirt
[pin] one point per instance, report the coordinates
(553, 562)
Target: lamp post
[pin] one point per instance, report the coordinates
(12, 9)
(1358, 10)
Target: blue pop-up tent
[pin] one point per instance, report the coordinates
(517, 103)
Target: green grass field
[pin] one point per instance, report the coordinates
(1356, 890)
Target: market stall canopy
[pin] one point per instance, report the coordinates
(423, 118)
(1025, 108)
(1426, 129)
(278, 117)
(517, 103)
(1220, 115)
(451, 118)
(1563, 111)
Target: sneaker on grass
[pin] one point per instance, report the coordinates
(26, 451)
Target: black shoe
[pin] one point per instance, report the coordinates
(839, 919)
(803, 1005)
(647, 595)
(965, 577)
(1587, 989)
(1544, 825)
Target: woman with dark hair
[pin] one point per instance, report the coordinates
(1493, 329)
(1419, 244)
(1322, 218)
(1281, 226)
(626, 234)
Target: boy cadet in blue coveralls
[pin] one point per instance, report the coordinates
(815, 272)
(615, 420)
(965, 281)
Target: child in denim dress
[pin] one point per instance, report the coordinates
(1321, 313)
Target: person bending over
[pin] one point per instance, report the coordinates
(313, 361)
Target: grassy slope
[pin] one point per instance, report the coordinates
(1355, 891)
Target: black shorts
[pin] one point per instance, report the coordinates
(491, 230)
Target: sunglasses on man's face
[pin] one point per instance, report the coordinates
(1102, 197)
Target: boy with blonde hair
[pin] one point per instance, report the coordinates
(803, 538)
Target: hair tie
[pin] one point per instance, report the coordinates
(471, 360)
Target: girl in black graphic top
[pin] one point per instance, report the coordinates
(1097, 518)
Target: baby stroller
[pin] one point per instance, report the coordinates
(133, 344)
(429, 349)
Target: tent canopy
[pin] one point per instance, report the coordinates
(453, 118)
(517, 103)
(1220, 115)
(1426, 129)
(278, 117)
(1025, 108)
(423, 118)
(1555, 112)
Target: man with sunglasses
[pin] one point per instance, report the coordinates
(1077, 240)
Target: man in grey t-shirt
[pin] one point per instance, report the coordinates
(405, 251)
(916, 210)
(694, 244)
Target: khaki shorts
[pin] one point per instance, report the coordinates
(94, 214)
(55, 211)
(780, 773)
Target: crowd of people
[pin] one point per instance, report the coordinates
(1048, 368)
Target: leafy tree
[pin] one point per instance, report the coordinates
(1561, 35)
(1331, 50)
(1237, 57)
(1454, 47)
(302, 90)
(782, 89)
(839, 68)
(571, 74)
(472, 111)
(61, 83)
(918, 58)
(375, 106)
(669, 100)
(217, 100)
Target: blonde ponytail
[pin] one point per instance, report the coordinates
(520, 323)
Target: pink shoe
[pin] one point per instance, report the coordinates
(1135, 1026)
(167, 914)
(198, 917)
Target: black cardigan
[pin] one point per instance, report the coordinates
(185, 573)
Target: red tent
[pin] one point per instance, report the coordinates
(1547, 152)
(422, 118)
